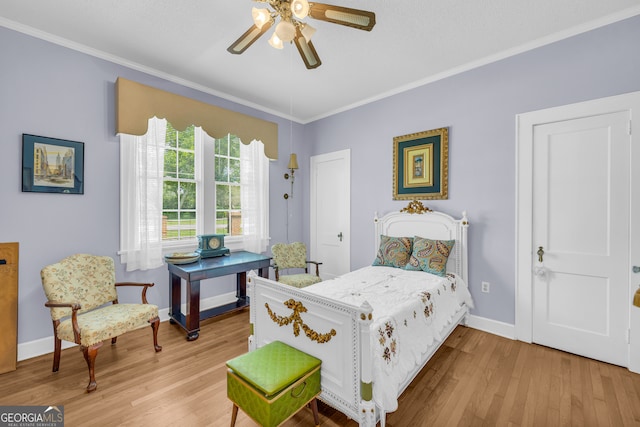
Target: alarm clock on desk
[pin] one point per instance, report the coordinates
(211, 245)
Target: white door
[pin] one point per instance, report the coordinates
(330, 212)
(581, 183)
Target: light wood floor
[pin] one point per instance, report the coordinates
(474, 379)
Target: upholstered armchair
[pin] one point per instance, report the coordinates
(82, 298)
(293, 255)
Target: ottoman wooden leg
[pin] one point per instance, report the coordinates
(234, 415)
(314, 408)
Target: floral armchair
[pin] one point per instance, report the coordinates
(82, 297)
(293, 255)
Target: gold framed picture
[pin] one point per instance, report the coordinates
(421, 165)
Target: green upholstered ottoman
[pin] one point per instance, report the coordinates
(272, 383)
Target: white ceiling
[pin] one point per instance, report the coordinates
(413, 42)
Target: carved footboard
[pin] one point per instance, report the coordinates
(339, 333)
(336, 333)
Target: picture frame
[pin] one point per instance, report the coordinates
(51, 165)
(421, 165)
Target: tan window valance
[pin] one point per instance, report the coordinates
(137, 103)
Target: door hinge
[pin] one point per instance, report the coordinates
(629, 128)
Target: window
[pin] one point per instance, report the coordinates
(227, 177)
(176, 185)
(179, 190)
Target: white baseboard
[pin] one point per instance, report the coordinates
(39, 347)
(42, 346)
(495, 327)
(45, 345)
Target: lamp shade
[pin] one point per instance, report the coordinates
(307, 31)
(275, 42)
(260, 16)
(285, 31)
(300, 8)
(293, 161)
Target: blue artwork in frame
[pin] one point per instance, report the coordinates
(421, 165)
(51, 165)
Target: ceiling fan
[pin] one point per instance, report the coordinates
(292, 29)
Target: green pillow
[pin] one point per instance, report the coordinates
(430, 255)
(393, 251)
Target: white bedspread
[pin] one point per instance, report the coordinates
(410, 311)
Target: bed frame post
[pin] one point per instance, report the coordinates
(367, 406)
(252, 311)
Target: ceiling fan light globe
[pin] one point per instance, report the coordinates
(275, 42)
(260, 16)
(285, 31)
(307, 31)
(300, 8)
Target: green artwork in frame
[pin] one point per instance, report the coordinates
(421, 165)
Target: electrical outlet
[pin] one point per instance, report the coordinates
(486, 287)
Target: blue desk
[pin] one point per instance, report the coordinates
(238, 263)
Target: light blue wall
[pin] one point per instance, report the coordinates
(49, 90)
(52, 91)
(479, 107)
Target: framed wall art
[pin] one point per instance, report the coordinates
(51, 165)
(421, 165)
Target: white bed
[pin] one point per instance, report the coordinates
(369, 355)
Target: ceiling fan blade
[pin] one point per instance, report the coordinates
(354, 18)
(307, 51)
(247, 39)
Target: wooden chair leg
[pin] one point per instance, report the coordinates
(57, 347)
(90, 354)
(234, 415)
(155, 324)
(314, 408)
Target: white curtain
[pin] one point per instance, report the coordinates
(254, 196)
(141, 186)
(200, 136)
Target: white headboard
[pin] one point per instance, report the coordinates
(430, 225)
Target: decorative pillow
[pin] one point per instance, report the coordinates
(430, 255)
(393, 251)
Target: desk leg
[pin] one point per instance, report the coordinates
(193, 310)
(264, 272)
(174, 297)
(241, 286)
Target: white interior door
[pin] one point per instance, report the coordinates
(581, 236)
(331, 212)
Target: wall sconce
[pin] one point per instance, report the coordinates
(293, 165)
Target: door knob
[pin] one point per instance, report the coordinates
(340, 236)
(635, 269)
(540, 272)
(540, 253)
